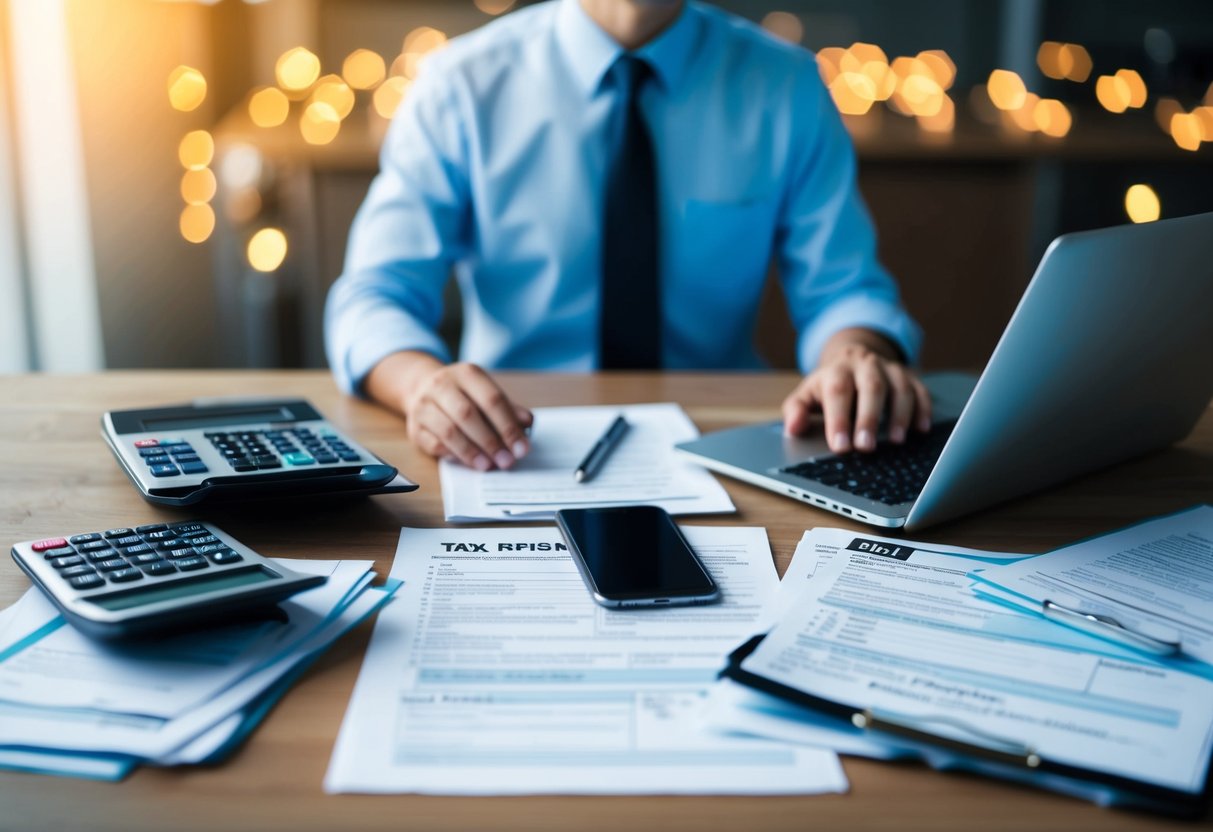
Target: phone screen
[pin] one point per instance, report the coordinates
(635, 554)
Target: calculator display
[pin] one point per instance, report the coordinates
(184, 589)
(218, 420)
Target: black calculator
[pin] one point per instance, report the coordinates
(154, 578)
(185, 454)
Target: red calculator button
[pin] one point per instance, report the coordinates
(52, 543)
(146, 443)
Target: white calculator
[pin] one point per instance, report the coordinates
(268, 448)
(154, 578)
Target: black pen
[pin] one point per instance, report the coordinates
(601, 450)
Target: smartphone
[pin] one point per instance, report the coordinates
(634, 556)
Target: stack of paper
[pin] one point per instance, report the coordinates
(881, 648)
(77, 706)
(643, 468)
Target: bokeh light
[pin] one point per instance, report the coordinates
(1137, 87)
(1205, 116)
(417, 44)
(1164, 110)
(1142, 204)
(196, 223)
(1048, 58)
(319, 123)
(1075, 62)
(267, 249)
(941, 67)
(269, 107)
(1052, 117)
(196, 150)
(853, 93)
(198, 186)
(1006, 89)
(1113, 93)
(389, 95)
(332, 90)
(942, 121)
(363, 69)
(785, 26)
(1185, 130)
(494, 7)
(922, 95)
(1024, 116)
(186, 88)
(297, 69)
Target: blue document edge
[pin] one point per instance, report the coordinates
(116, 767)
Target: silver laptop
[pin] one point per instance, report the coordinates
(1108, 355)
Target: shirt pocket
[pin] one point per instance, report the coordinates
(727, 240)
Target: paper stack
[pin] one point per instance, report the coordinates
(75, 706)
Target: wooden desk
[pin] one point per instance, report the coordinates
(57, 476)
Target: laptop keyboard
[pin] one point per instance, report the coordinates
(891, 474)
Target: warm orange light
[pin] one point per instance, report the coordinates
(267, 249)
(1185, 130)
(1006, 89)
(1164, 110)
(884, 79)
(1075, 62)
(1137, 87)
(1048, 58)
(297, 69)
(1209, 95)
(906, 67)
(922, 95)
(785, 26)
(853, 93)
(1204, 115)
(196, 150)
(940, 65)
(1113, 93)
(1025, 117)
(865, 52)
(198, 186)
(332, 90)
(319, 123)
(1141, 204)
(1052, 117)
(943, 121)
(417, 44)
(196, 223)
(494, 7)
(827, 63)
(389, 95)
(268, 107)
(363, 69)
(186, 88)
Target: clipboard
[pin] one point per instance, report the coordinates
(987, 754)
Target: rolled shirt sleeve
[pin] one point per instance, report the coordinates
(826, 246)
(409, 231)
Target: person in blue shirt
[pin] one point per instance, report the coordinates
(609, 181)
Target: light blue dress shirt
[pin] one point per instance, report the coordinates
(495, 166)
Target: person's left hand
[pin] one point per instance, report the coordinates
(859, 374)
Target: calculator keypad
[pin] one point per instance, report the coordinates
(167, 458)
(117, 556)
(287, 447)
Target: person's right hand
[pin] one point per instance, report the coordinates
(454, 410)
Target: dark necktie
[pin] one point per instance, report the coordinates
(630, 312)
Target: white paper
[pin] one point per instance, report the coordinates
(643, 468)
(908, 639)
(153, 738)
(169, 676)
(495, 673)
(1155, 578)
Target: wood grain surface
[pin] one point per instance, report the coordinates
(58, 477)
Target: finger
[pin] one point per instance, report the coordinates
(837, 399)
(798, 407)
(525, 417)
(425, 439)
(500, 413)
(871, 389)
(451, 435)
(922, 403)
(901, 402)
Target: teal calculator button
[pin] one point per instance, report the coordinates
(298, 458)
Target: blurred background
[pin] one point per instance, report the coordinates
(177, 179)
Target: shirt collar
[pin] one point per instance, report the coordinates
(591, 52)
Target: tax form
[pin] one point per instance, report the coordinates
(495, 673)
(1154, 578)
(904, 636)
(642, 469)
